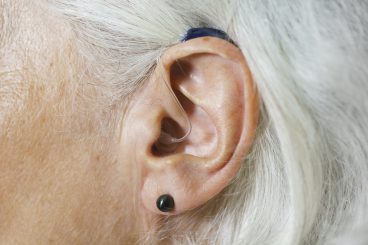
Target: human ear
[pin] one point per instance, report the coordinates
(209, 78)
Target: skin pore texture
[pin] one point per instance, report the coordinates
(276, 127)
(60, 178)
(66, 181)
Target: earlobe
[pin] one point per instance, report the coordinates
(212, 82)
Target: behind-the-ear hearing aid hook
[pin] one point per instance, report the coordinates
(192, 33)
(166, 203)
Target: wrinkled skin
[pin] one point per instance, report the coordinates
(78, 169)
(60, 181)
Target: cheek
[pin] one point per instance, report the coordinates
(59, 168)
(29, 50)
(12, 94)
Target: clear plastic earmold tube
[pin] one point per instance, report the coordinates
(166, 142)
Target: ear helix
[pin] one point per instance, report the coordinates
(192, 33)
(166, 203)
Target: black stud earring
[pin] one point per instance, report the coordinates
(165, 203)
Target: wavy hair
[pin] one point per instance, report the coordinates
(306, 177)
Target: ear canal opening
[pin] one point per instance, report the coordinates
(167, 141)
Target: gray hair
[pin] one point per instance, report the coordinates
(306, 177)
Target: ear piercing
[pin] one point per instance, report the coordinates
(165, 203)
